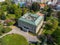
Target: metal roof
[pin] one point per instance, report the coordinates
(33, 19)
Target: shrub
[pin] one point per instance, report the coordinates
(7, 29)
(10, 23)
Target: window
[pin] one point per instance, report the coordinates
(26, 27)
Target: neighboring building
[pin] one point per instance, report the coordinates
(2, 0)
(41, 1)
(31, 22)
(58, 7)
(52, 2)
(42, 6)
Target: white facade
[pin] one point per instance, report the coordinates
(27, 0)
(2, 0)
(52, 2)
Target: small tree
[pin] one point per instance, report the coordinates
(9, 22)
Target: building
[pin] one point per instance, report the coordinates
(52, 2)
(2, 0)
(31, 22)
(41, 1)
(42, 5)
(57, 7)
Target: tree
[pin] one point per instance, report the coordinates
(49, 10)
(9, 22)
(35, 6)
(11, 8)
(10, 16)
(56, 35)
(18, 13)
(1, 13)
(4, 7)
(58, 15)
(24, 10)
(51, 25)
(1, 27)
(8, 2)
(3, 17)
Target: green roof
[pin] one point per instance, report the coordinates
(30, 18)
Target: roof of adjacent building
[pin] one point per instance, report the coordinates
(30, 18)
(42, 5)
(58, 7)
(2, 0)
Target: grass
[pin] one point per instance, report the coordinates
(14, 39)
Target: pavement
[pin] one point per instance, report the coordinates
(17, 30)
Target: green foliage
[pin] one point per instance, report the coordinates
(56, 35)
(1, 13)
(49, 10)
(1, 28)
(12, 10)
(10, 16)
(24, 10)
(4, 29)
(35, 6)
(46, 8)
(51, 25)
(58, 14)
(18, 13)
(32, 44)
(10, 23)
(4, 7)
(3, 17)
(8, 2)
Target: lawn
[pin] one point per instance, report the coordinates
(14, 39)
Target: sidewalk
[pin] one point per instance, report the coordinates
(16, 30)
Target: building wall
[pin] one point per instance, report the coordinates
(2, 0)
(29, 27)
(25, 25)
(42, 1)
(54, 1)
(39, 25)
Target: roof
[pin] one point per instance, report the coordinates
(42, 5)
(40, 14)
(33, 19)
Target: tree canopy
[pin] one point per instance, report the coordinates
(35, 6)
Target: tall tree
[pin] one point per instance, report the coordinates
(51, 25)
(18, 13)
(35, 6)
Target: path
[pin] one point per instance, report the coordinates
(16, 30)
